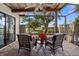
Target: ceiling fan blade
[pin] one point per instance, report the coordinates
(39, 8)
(36, 9)
(29, 7)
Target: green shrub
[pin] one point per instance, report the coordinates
(50, 31)
(39, 31)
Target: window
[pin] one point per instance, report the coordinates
(7, 29)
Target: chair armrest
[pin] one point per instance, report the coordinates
(49, 42)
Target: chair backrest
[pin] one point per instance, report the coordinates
(57, 42)
(24, 41)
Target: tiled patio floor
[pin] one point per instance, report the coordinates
(12, 50)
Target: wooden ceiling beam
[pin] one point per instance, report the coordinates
(23, 10)
(48, 8)
(27, 10)
(8, 5)
(56, 8)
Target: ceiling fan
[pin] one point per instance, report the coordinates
(38, 6)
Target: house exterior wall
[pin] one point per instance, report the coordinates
(7, 10)
(69, 31)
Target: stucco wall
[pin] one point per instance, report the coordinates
(7, 10)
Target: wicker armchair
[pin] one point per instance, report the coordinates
(24, 42)
(57, 42)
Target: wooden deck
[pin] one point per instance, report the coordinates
(12, 50)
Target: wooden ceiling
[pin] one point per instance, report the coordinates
(29, 7)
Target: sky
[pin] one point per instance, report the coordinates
(66, 10)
